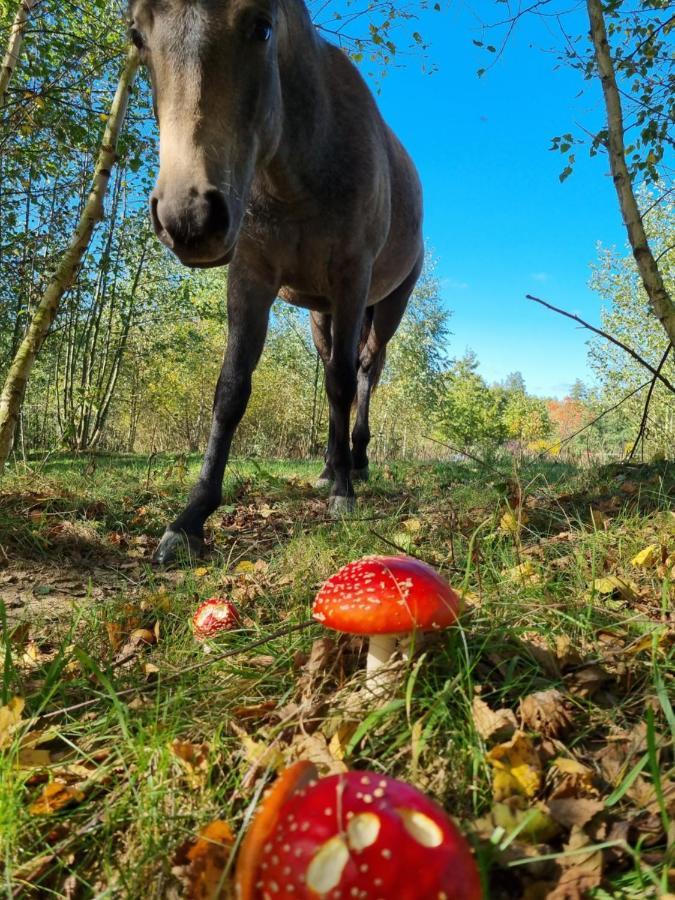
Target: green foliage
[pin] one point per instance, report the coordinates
(470, 412)
(626, 315)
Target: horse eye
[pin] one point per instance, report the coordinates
(261, 30)
(136, 38)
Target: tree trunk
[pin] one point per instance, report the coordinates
(660, 300)
(13, 52)
(14, 390)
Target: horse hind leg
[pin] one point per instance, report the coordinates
(386, 317)
(320, 324)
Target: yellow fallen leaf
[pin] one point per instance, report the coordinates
(512, 522)
(646, 557)
(54, 797)
(245, 567)
(10, 717)
(612, 584)
(525, 572)
(517, 768)
(194, 759)
(412, 525)
(30, 758)
(200, 571)
(257, 752)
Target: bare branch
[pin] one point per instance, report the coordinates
(608, 337)
(645, 414)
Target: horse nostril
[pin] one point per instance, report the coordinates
(217, 217)
(157, 223)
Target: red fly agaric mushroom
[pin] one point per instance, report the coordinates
(359, 834)
(214, 615)
(385, 597)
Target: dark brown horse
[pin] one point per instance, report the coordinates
(275, 159)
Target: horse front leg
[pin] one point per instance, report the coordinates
(248, 316)
(341, 389)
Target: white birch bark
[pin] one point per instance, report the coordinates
(660, 300)
(14, 44)
(14, 389)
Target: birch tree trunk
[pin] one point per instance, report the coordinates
(13, 52)
(14, 390)
(660, 300)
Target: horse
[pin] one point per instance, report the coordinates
(275, 161)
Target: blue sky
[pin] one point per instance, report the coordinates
(497, 217)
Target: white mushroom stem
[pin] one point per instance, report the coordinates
(380, 650)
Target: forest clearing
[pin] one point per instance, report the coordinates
(202, 195)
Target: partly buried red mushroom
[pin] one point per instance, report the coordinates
(386, 598)
(214, 615)
(360, 834)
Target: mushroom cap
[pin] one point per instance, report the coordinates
(214, 615)
(365, 835)
(386, 595)
(295, 777)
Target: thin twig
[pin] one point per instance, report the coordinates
(235, 651)
(607, 337)
(476, 459)
(645, 414)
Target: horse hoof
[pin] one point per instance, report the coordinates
(341, 506)
(177, 545)
(360, 474)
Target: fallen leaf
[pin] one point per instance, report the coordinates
(580, 873)
(492, 724)
(647, 557)
(598, 518)
(258, 753)
(200, 864)
(611, 584)
(572, 779)
(315, 749)
(55, 796)
(547, 712)
(533, 823)
(524, 573)
(10, 717)
(587, 680)
(570, 811)
(194, 760)
(517, 768)
(512, 522)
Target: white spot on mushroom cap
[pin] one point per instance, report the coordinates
(420, 827)
(363, 830)
(325, 870)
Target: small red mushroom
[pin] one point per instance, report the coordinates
(214, 615)
(385, 597)
(364, 835)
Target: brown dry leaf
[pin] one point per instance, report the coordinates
(517, 768)
(555, 659)
(10, 718)
(644, 796)
(498, 724)
(599, 519)
(580, 872)
(258, 753)
(55, 796)
(570, 811)
(314, 670)
(200, 864)
(547, 712)
(259, 711)
(31, 758)
(587, 680)
(572, 779)
(115, 634)
(314, 748)
(194, 760)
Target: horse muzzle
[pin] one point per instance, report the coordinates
(196, 227)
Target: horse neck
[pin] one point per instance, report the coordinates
(306, 101)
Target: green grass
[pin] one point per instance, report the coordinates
(94, 522)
